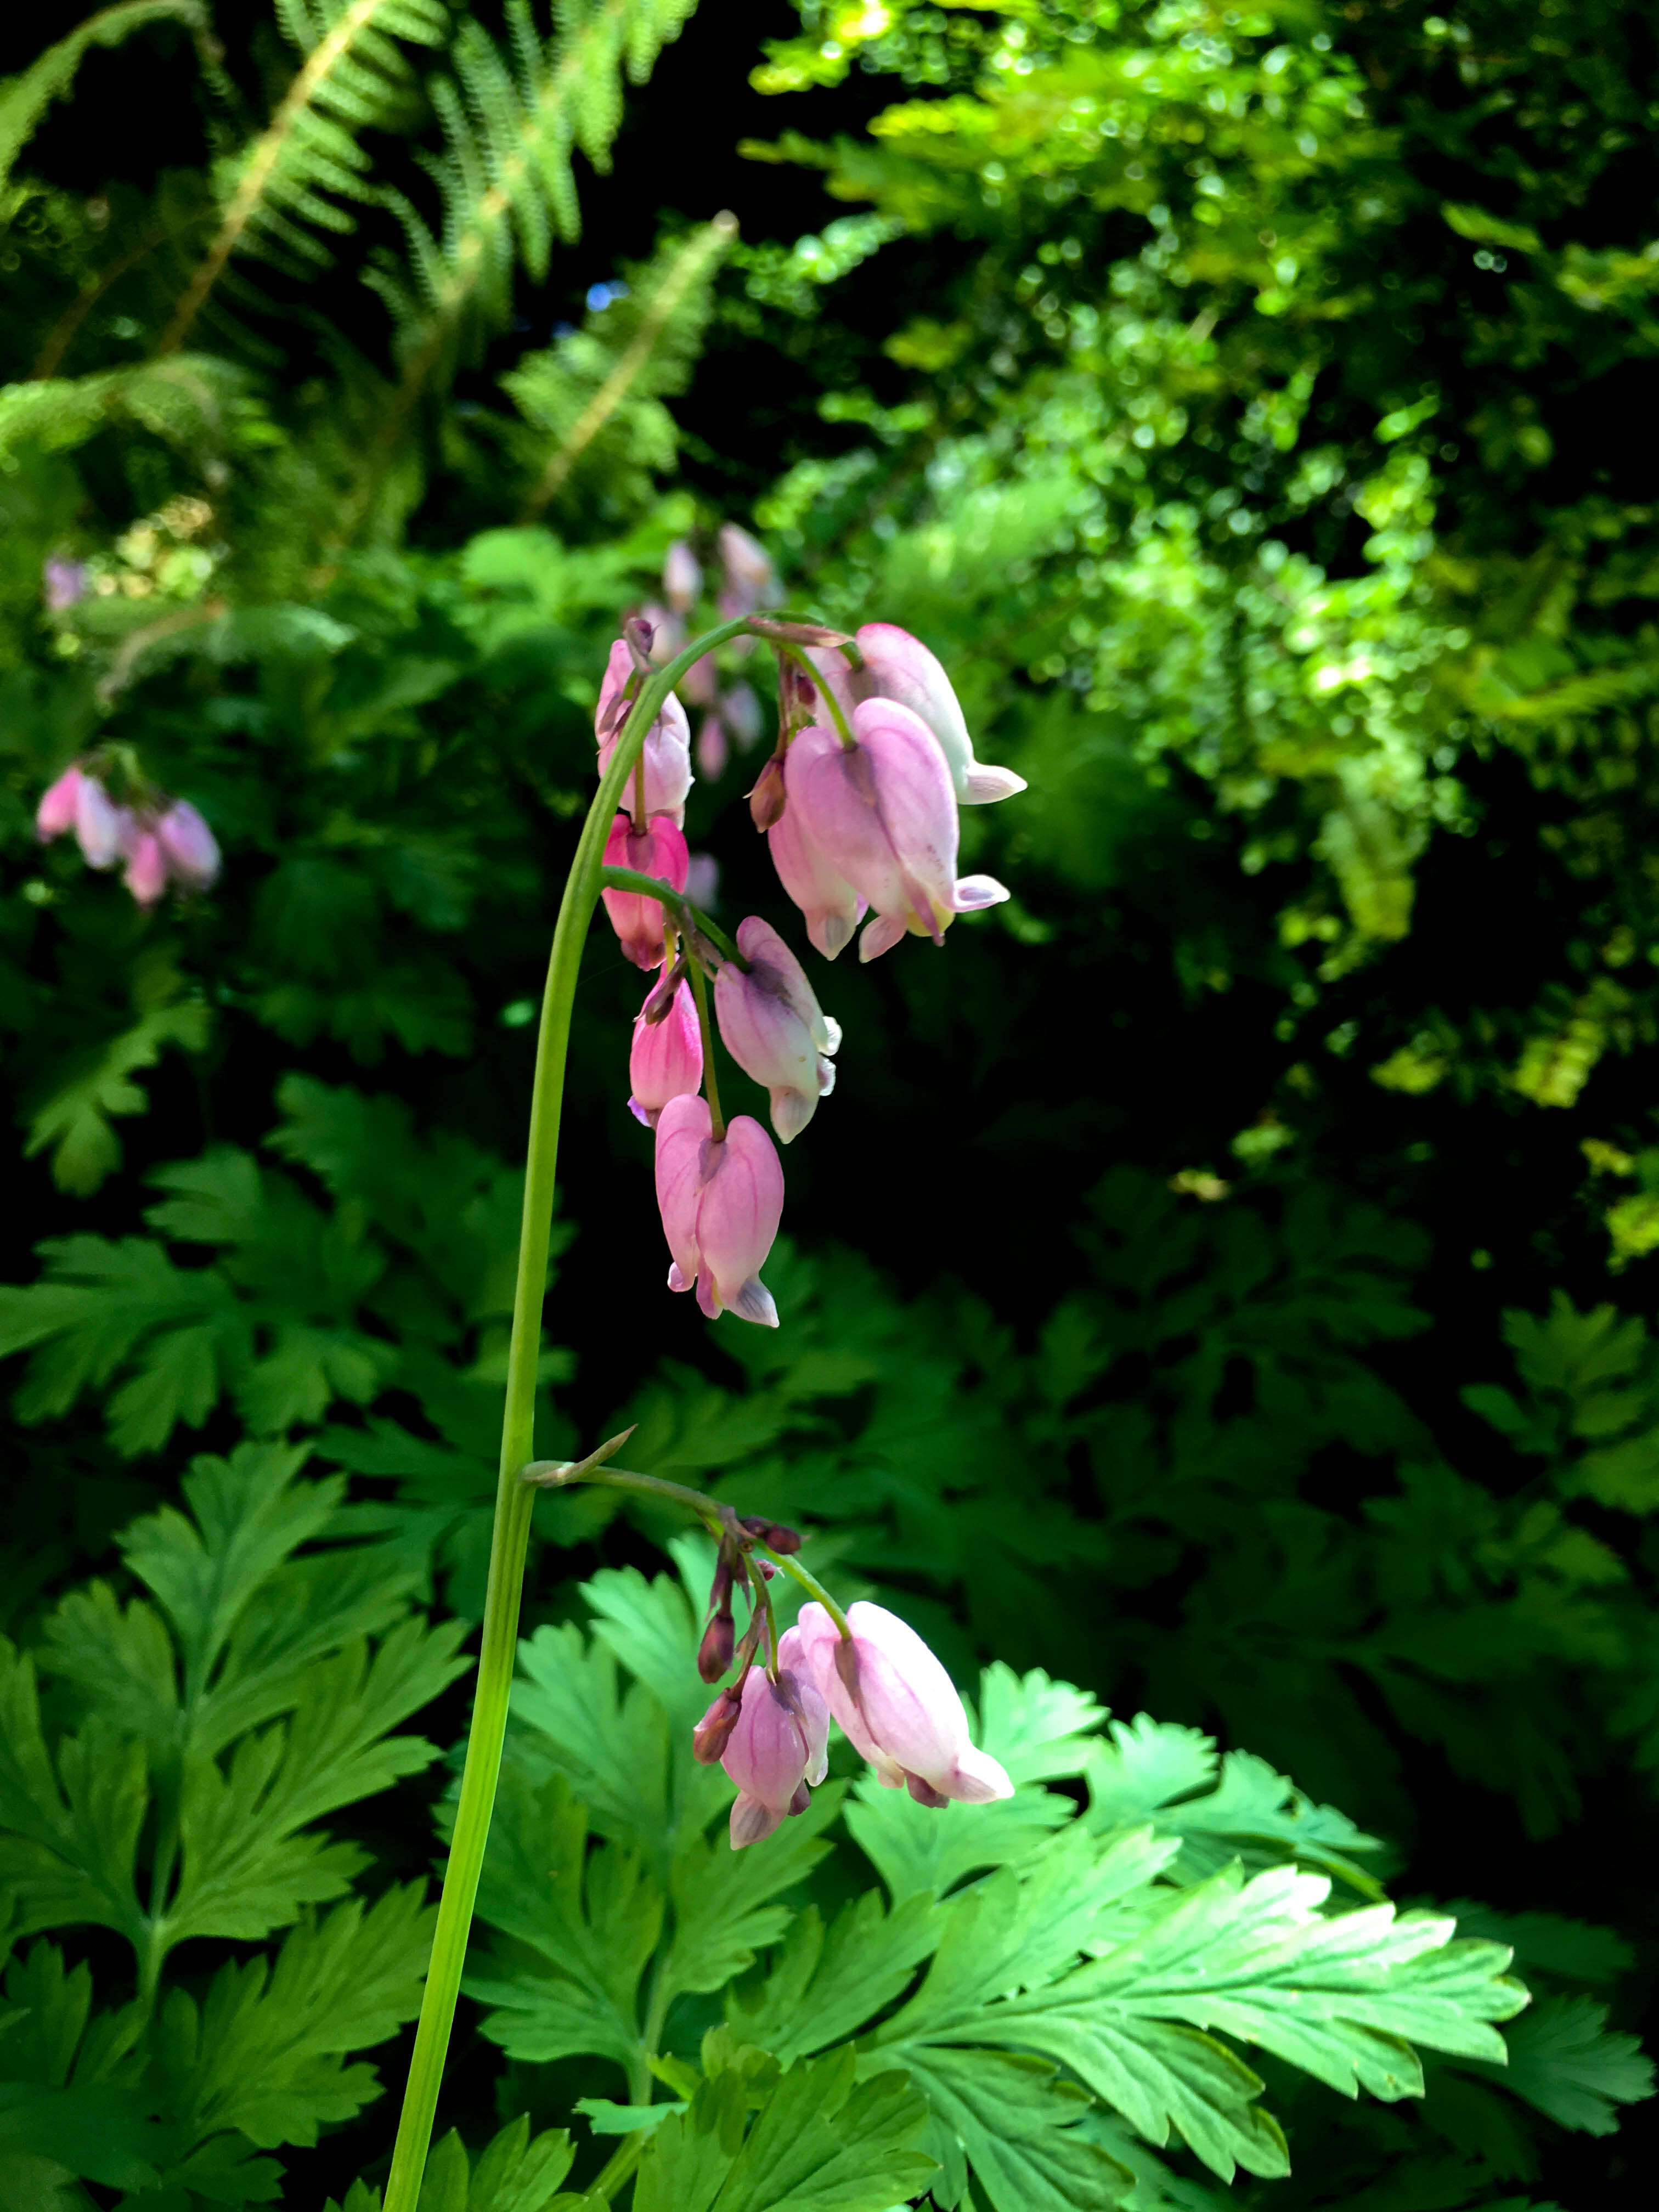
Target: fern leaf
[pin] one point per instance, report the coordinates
(354, 77)
(25, 99)
(617, 415)
(505, 176)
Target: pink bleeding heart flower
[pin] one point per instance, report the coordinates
(830, 905)
(752, 581)
(659, 850)
(667, 748)
(773, 1027)
(702, 880)
(146, 871)
(682, 577)
(102, 828)
(59, 802)
(896, 1704)
(900, 667)
(882, 813)
(667, 1058)
(740, 711)
(188, 845)
(720, 1203)
(713, 751)
(777, 1747)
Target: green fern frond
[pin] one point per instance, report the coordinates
(25, 99)
(505, 176)
(288, 184)
(597, 393)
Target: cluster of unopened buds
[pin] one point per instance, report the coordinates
(863, 1669)
(858, 803)
(160, 839)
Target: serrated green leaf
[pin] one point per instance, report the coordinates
(582, 1929)
(1563, 2062)
(822, 2142)
(1017, 2126)
(724, 1907)
(822, 1988)
(265, 2055)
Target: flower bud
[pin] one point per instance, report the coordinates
(720, 1205)
(781, 1539)
(773, 1027)
(719, 1641)
(714, 1731)
(767, 799)
(64, 583)
(659, 851)
(667, 1058)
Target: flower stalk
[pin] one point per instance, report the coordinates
(514, 1500)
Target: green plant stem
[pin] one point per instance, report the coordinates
(510, 1537)
(700, 992)
(630, 879)
(797, 654)
(559, 1473)
(811, 1585)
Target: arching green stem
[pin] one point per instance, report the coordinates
(510, 1538)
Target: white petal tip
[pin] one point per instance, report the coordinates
(973, 892)
(880, 936)
(983, 786)
(676, 1281)
(827, 1035)
(977, 1779)
(754, 1301)
(791, 1112)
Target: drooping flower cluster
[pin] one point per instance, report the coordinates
(859, 802)
(879, 1683)
(161, 840)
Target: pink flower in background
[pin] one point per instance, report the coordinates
(102, 828)
(64, 583)
(895, 1702)
(774, 1028)
(682, 577)
(720, 1205)
(740, 711)
(146, 871)
(750, 580)
(830, 905)
(667, 753)
(883, 815)
(174, 844)
(659, 851)
(59, 805)
(713, 751)
(778, 1746)
(667, 1060)
(900, 667)
(189, 848)
(702, 880)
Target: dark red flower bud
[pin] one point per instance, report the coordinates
(767, 800)
(719, 1641)
(714, 1733)
(772, 1532)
